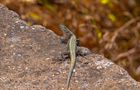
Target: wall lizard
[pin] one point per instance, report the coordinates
(72, 45)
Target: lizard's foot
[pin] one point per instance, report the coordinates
(65, 55)
(63, 40)
(82, 51)
(77, 42)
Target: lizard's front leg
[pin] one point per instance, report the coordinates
(82, 51)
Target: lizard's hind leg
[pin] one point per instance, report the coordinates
(65, 55)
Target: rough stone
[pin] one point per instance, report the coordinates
(30, 60)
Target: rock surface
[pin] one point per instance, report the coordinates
(30, 60)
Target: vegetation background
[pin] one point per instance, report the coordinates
(107, 27)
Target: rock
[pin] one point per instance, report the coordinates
(30, 59)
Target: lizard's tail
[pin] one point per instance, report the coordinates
(70, 73)
(69, 78)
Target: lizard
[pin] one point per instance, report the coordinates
(72, 45)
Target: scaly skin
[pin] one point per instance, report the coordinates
(72, 45)
(72, 49)
(67, 33)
